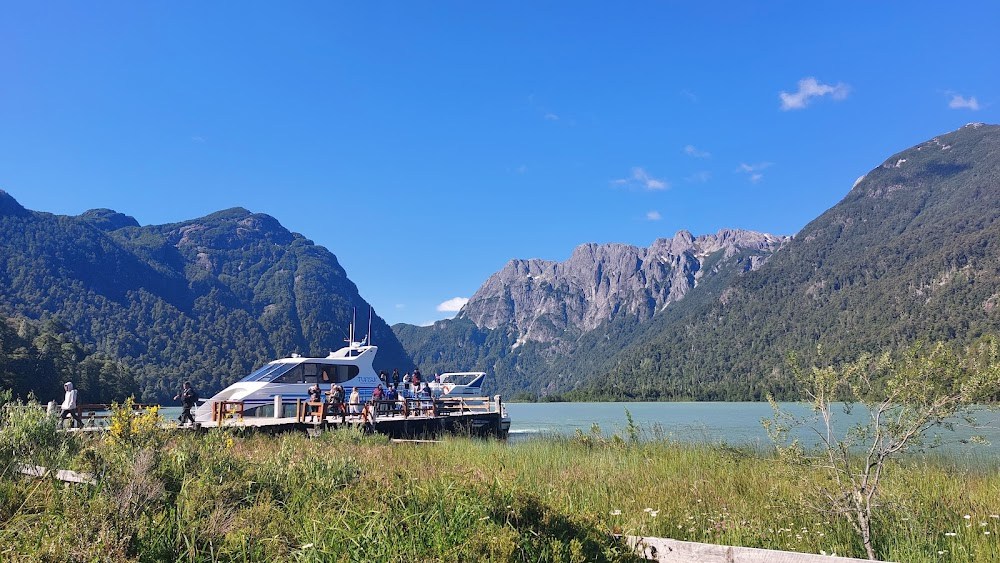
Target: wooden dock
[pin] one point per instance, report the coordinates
(403, 419)
(409, 419)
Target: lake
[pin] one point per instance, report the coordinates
(730, 423)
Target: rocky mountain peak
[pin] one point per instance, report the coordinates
(546, 300)
(108, 219)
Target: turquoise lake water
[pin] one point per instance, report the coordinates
(729, 423)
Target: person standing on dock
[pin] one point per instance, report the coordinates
(188, 399)
(395, 378)
(69, 407)
(355, 401)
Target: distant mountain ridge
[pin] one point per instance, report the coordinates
(526, 321)
(206, 299)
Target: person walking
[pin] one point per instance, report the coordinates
(69, 407)
(188, 399)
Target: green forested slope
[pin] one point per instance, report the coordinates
(206, 300)
(37, 358)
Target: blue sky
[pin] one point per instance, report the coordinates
(428, 143)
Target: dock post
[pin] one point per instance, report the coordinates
(279, 409)
(50, 409)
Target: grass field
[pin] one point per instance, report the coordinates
(345, 496)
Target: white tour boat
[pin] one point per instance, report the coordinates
(351, 366)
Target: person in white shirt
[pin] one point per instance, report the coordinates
(69, 407)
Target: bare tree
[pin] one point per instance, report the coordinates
(904, 397)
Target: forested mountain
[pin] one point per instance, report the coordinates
(527, 322)
(912, 252)
(207, 299)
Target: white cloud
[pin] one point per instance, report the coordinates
(691, 150)
(453, 305)
(810, 88)
(551, 117)
(699, 177)
(653, 216)
(643, 180)
(198, 139)
(753, 170)
(400, 306)
(960, 102)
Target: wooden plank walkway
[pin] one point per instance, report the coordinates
(666, 550)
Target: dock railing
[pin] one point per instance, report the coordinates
(222, 410)
(96, 415)
(464, 405)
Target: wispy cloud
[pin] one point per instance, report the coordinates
(653, 216)
(691, 150)
(640, 178)
(400, 306)
(699, 177)
(547, 114)
(753, 171)
(690, 95)
(453, 305)
(198, 139)
(810, 88)
(960, 102)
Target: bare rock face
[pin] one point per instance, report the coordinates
(544, 300)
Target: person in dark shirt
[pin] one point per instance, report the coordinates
(188, 398)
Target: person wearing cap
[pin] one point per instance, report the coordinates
(69, 407)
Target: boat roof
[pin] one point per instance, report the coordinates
(345, 353)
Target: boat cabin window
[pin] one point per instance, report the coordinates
(267, 372)
(303, 373)
(297, 374)
(344, 373)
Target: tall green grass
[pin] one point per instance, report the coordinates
(346, 496)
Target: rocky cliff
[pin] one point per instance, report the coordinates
(545, 301)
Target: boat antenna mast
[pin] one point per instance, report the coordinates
(369, 337)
